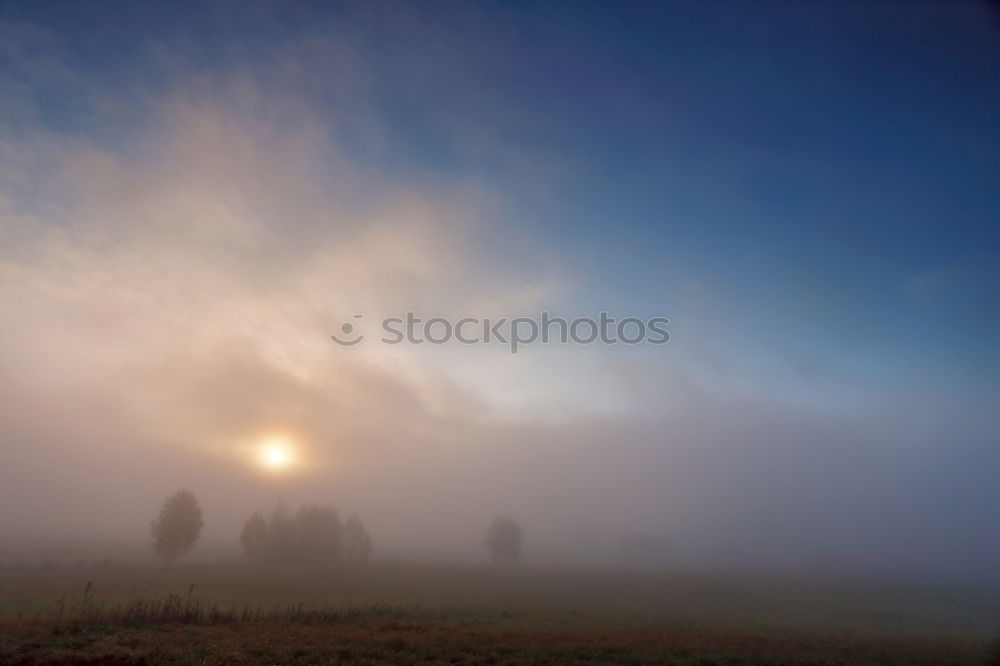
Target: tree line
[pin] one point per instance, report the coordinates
(313, 533)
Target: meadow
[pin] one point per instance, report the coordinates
(394, 612)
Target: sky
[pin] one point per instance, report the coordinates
(194, 196)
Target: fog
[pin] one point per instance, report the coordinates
(176, 250)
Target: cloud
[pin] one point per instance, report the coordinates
(168, 285)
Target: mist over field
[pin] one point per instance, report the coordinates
(193, 200)
(499, 332)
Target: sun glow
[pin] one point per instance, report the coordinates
(276, 454)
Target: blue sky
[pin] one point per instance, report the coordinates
(808, 190)
(817, 163)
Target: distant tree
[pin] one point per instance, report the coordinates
(177, 527)
(282, 534)
(319, 533)
(315, 533)
(504, 540)
(255, 537)
(357, 540)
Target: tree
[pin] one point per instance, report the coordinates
(319, 533)
(178, 526)
(357, 540)
(255, 537)
(314, 533)
(504, 540)
(282, 534)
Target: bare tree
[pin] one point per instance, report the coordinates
(255, 537)
(357, 540)
(504, 540)
(178, 526)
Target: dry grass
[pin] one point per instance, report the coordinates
(370, 638)
(561, 618)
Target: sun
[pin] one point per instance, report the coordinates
(276, 454)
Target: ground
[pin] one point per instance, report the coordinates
(422, 613)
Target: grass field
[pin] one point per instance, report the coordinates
(419, 613)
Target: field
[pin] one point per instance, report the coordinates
(422, 613)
